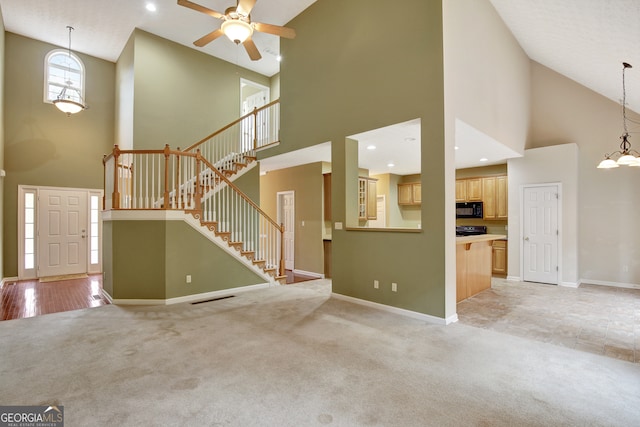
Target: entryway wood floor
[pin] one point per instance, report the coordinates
(29, 298)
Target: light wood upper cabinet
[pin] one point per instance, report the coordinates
(461, 190)
(502, 210)
(372, 199)
(494, 197)
(410, 193)
(469, 190)
(474, 190)
(367, 198)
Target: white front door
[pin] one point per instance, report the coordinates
(540, 234)
(287, 216)
(62, 232)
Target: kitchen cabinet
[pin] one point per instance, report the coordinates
(367, 198)
(327, 196)
(499, 258)
(494, 197)
(410, 194)
(469, 190)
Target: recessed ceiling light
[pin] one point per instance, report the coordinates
(151, 7)
(456, 147)
(390, 165)
(279, 58)
(484, 159)
(371, 147)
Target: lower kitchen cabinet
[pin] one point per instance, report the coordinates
(499, 262)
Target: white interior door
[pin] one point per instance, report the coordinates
(62, 232)
(287, 216)
(540, 234)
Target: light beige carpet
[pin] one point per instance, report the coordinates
(291, 356)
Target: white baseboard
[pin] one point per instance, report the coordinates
(401, 311)
(7, 280)
(191, 298)
(569, 284)
(514, 279)
(107, 296)
(609, 283)
(308, 273)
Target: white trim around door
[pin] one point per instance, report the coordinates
(84, 235)
(286, 207)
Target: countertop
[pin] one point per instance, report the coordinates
(479, 238)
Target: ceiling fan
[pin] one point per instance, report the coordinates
(237, 25)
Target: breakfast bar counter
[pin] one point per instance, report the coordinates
(473, 264)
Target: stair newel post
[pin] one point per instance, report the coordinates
(198, 205)
(115, 198)
(166, 176)
(255, 129)
(281, 250)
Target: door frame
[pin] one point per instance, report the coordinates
(25, 274)
(246, 82)
(279, 206)
(558, 186)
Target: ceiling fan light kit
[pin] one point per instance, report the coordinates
(237, 26)
(627, 156)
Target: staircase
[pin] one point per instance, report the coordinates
(199, 181)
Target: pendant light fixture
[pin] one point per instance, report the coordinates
(69, 100)
(627, 156)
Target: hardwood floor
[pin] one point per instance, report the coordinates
(31, 298)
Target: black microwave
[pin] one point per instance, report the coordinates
(469, 210)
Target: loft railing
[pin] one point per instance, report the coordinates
(177, 180)
(241, 138)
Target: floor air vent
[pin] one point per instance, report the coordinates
(213, 299)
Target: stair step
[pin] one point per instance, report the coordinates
(270, 271)
(236, 245)
(259, 262)
(225, 235)
(281, 279)
(248, 254)
(211, 225)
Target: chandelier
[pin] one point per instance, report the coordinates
(69, 100)
(627, 156)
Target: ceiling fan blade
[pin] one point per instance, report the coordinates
(206, 10)
(276, 30)
(245, 6)
(202, 41)
(252, 50)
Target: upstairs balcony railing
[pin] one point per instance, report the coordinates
(241, 138)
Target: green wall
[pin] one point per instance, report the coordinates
(42, 145)
(181, 95)
(2, 130)
(306, 182)
(379, 69)
(151, 259)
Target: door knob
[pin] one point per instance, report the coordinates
(526, 239)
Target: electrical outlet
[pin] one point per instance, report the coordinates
(394, 287)
(188, 278)
(376, 284)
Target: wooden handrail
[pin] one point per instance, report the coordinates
(255, 111)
